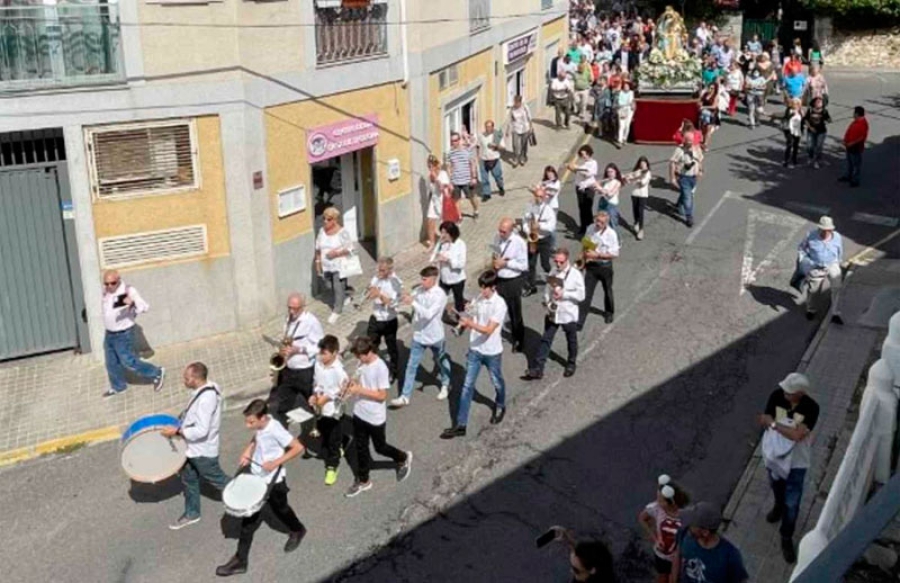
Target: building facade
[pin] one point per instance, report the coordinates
(193, 145)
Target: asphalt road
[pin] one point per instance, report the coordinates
(671, 386)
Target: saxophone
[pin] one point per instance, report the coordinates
(534, 228)
(277, 361)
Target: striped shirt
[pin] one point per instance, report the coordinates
(460, 166)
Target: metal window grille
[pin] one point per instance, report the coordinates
(479, 15)
(59, 45)
(143, 159)
(31, 147)
(350, 31)
(153, 246)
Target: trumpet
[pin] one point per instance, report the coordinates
(277, 361)
(454, 317)
(587, 244)
(551, 304)
(367, 297)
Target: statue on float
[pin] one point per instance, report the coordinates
(671, 33)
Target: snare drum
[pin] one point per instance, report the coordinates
(245, 495)
(149, 457)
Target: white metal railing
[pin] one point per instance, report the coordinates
(64, 44)
(345, 33)
(868, 455)
(479, 15)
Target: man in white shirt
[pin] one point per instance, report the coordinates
(428, 303)
(304, 331)
(271, 448)
(121, 305)
(685, 169)
(484, 320)
(510, 261)
(540, 211)
(490, 144)
(199, 427)
(370, 417)
(562, 92)
(702, 33)
(385, 289)
(562, 306)
(598, 266)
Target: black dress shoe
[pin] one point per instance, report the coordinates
(608, 318)
(837, 320)
(529, 291)
(498, 415)
(455, 431)
(787, 550)
(773, 515)
(532, 376)
(810, 315)
(517, 347)
(234, 566)
(570, 370)
(294, 541)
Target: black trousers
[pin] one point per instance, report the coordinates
(292, 383)
(585, 208)
(550, 328)
(332, 437)
(278, 502)
(638, 204)
(362, 433)
(458, 291)
(544, 249)
(597, 271)
(511, 291)
(791, 147)
(387, 330)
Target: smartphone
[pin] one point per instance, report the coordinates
(545, 538)
(120, 301)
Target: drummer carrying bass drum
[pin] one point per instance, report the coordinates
(200, 428)
(272, 447)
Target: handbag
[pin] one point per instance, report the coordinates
(350, 266)
(532, 138)
(449, 210)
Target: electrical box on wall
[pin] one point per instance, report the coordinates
(393, 169)
(291, 201)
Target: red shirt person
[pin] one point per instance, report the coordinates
(854, 143)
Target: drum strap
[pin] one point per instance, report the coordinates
(182, 415)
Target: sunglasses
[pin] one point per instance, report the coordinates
(108, 283)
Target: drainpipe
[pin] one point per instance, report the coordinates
(404, 43)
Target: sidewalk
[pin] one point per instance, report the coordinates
(836, 363)
(53, 402)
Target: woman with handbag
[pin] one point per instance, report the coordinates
(521, 128)
(335, 260)
(438, 187)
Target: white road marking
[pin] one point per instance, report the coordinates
(806, 207)
(748, 272)
(728, 194)
(876, 219)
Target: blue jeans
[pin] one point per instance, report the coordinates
(787, 498)
(195, 468)
(415, 357)
(474, 360)
(612, 209)
(814, 144)
(685, 204)
(854, 165)
(120, 355)
(485, 174)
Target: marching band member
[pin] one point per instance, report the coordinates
(271, 448)
(511, 262)
(552, 184)
(199, 427)
(370, 417)
(451, 260)
(539, 213)
(487, 313)
(303, 330)
(562, 305)
(331, 378)
(598, 266)
(385, 289)
(428, 332)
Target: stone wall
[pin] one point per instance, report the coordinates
(873, 49)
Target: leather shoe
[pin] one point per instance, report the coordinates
(294, 541)
(532, 376)
(498, 415)
(517, 347)
(455, 431)
(837, 320)
(787, 550)
(773, 515)
(608, 318)
(570, 370)
(234, 566)
(529, 291)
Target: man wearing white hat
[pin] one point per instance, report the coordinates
(820, 256)
(792, 413)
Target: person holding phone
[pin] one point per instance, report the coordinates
(589, 559)
(121, 305)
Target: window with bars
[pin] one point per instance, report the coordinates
(350, 30)
(479, 15)
(143, 159)
(448, 77)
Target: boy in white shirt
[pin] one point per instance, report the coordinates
(272, 447)
(485, 320)
(330, 379)
(370, 417)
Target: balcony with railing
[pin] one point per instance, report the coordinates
(46, 46)
(350, 30)
(479, 15)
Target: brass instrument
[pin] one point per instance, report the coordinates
(551, 304)
(587, 244)
(534, 234)
(277, 361)
(470, 311)
(367, 297)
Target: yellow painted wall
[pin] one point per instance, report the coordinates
(165, 211)
(286, 128)
(553, 29)
(470, 70)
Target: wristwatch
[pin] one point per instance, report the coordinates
(773, 425)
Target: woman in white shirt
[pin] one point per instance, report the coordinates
(332, 244)
(626, 113)
(735, 82)
(607, 191)
(451, 260)
(585, 181)
(438, 183)
(552, 185)
(520, 127)
(792, 125)
(640, 178)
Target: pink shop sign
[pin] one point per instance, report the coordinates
(340, 138)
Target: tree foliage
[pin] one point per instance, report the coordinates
(858, 12)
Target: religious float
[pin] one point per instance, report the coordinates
(668, 84)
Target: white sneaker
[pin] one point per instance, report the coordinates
(333, 318)
(445, 392)
(398, 402)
